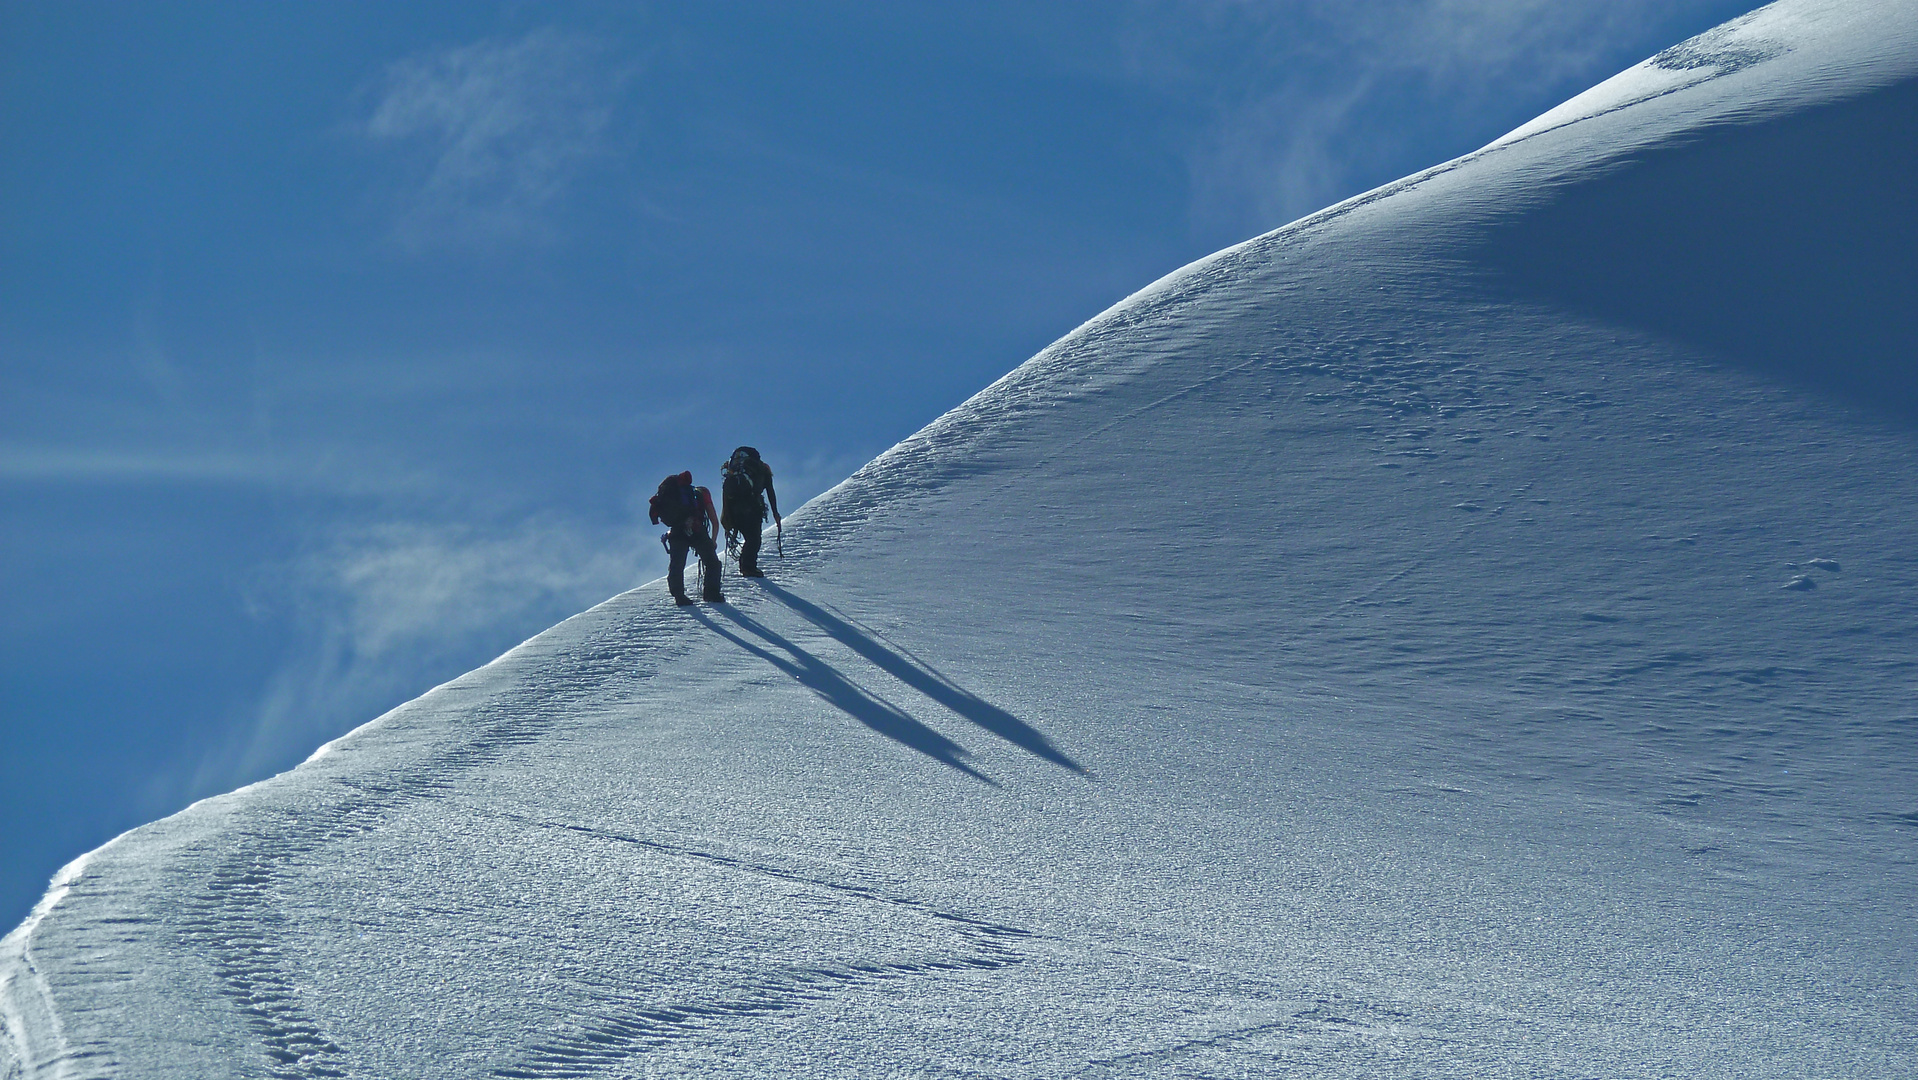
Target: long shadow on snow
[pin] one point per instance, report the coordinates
(819, 677)
(923, 678)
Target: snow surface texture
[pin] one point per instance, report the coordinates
(1467, 632)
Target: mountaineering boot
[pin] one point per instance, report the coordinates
(713, 596)
(682, 599)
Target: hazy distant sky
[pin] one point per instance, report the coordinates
(340, 344)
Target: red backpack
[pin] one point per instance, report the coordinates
(676, 502)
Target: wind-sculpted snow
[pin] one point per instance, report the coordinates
(1469, 631)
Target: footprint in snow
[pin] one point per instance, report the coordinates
(1801, 583)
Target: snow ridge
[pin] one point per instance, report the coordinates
(31, 1035)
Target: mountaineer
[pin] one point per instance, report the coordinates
(747, 488)
(687, 512)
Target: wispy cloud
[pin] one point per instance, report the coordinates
(1310, 99)
(41, 464)
(384, 611)
(305, 468)
(493, 134)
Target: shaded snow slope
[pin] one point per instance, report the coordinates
(1467, 632)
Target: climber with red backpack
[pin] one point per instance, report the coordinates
(691, 522)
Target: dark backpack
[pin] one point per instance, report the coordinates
(743, 500)
(746, 460)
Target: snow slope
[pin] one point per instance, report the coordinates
(1466, 632)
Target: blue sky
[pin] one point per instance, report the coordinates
(341, 344)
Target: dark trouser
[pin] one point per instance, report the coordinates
(752, 534)
(676, 544)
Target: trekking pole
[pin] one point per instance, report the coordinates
(779, 537)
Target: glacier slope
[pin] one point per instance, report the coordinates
(1466, 632)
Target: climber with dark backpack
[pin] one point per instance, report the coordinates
(747, 488)
(687, 512)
